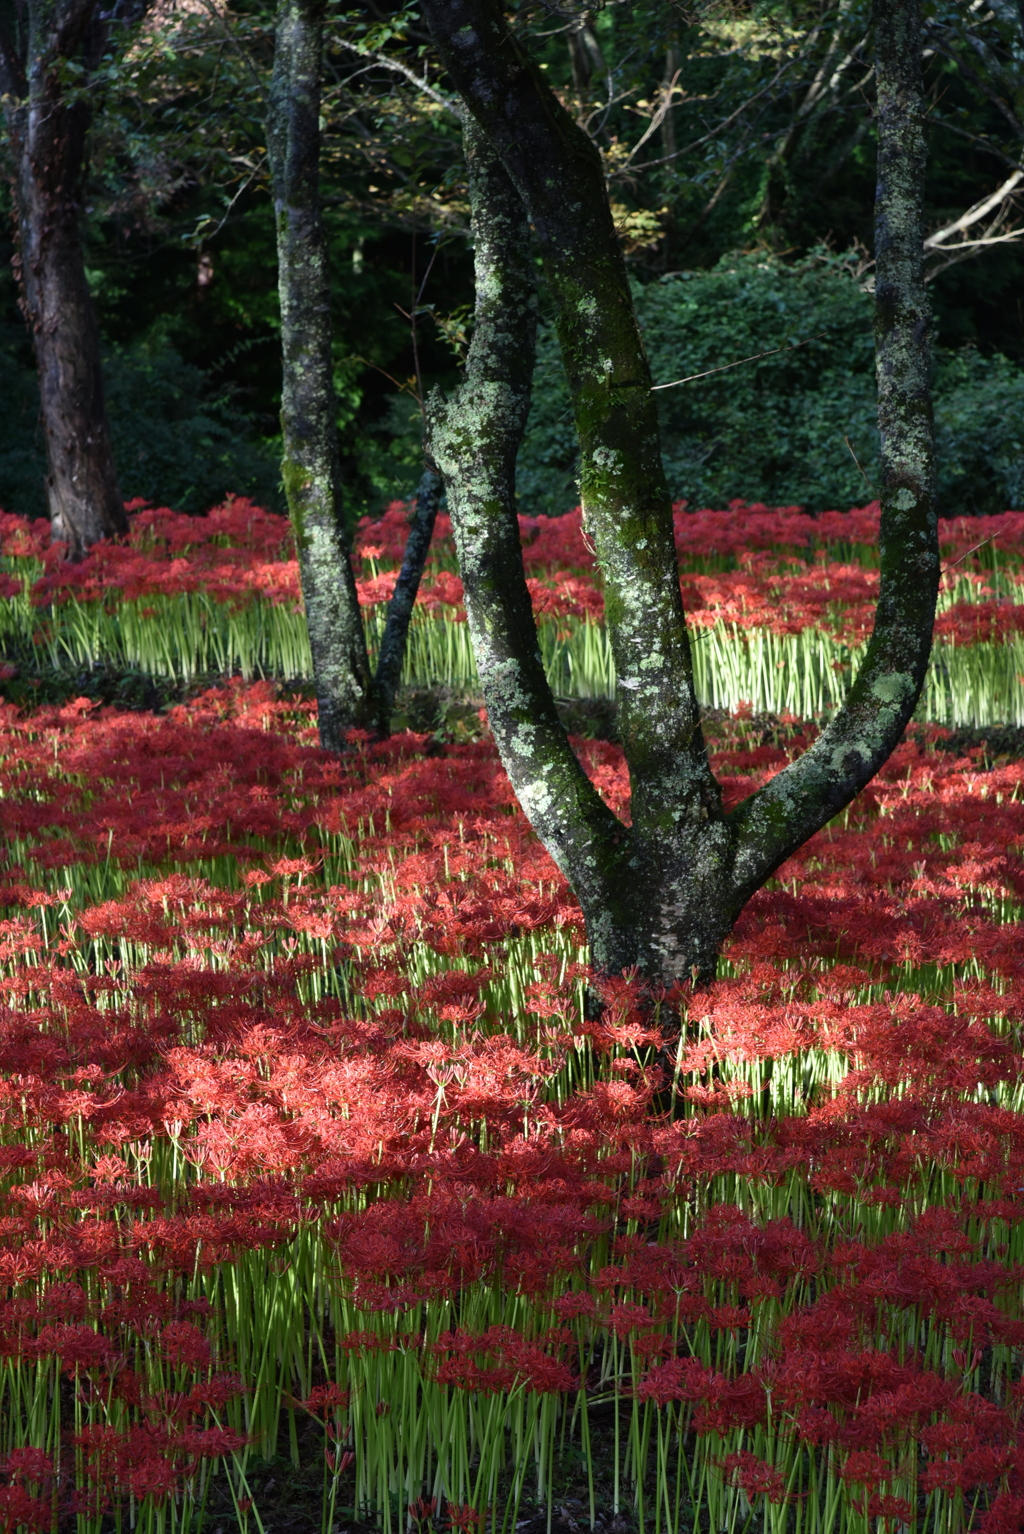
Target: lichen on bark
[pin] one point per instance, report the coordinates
(310, 466)
(664, 892)
(348, 693)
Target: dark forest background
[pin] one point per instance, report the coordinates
(743, 193)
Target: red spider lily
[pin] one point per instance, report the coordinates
(339, 1463)
(865, 1468)
(19, 1510)
(463, 1517)
(27, 1465)
(324, 1399)
(429, 1138)
(422, 1510)
(756, 1478)
(1004, 1515)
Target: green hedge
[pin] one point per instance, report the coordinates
(775, 430)
(179, 439)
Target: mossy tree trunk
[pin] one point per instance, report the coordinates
(309, 417)
(48, 120)
(348, 692)
(664, 892)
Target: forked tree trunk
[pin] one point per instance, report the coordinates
(47, 122)
(664, 892)
(348, 693)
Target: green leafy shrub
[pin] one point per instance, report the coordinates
(178, 440)
(22, 450)
(387, 457)
(790, 428)
(979, 432)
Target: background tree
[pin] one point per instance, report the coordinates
(180, 241)
(663, 892)
(347, 692)
(49, 57)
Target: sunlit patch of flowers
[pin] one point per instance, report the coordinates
(779, 604)
(301, 1121)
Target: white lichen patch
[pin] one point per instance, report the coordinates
(893, 688)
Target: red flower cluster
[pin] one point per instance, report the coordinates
(750, 567)
(294, 1041)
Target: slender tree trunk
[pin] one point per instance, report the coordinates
(403, 598)
(664, 892)
(348, 693)
(309, 419)
(47, 123)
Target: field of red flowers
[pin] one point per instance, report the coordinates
(309, 1159)
(779, 604)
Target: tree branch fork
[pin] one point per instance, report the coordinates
(663, 892)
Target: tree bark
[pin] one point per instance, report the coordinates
(348, 693)
(664, 892)
(396, 627)
(47, 122)
(474, 438)
(309, 429)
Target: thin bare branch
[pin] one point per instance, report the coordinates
(397, 67)
(739, 363)
(976, 213)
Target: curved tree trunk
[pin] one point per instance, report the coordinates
(348, 693)
(664, 892)
(47, 124)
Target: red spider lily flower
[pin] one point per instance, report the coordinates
(184, 1344)
(755, 1477)
(27, 1465)
(463, 1517)
(865, 1468)
(339, 1463)
(325, 1398)
(20, 1510)
(1004, 1515)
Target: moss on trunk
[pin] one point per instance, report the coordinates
(310, 465)
(664, 892)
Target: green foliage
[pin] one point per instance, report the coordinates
(180, 242)
(22, 450)
(388, 453)
(979, 428)
(178, 440)
(790, 428)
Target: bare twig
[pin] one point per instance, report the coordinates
(665, 104)
(397, 67)
(863, 471)
(774, 351)
(946, 568)
(204, 231)
(975, 213)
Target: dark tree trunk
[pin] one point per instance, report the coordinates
(663, 893)
(403, 598)
(47, 123)
(348, 694)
